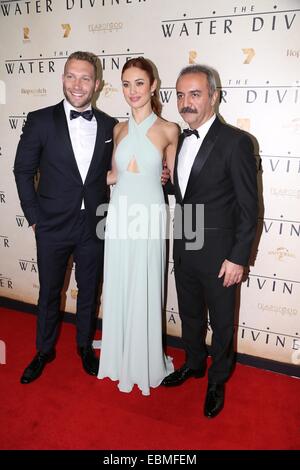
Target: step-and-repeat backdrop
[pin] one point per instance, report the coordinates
(254, 45)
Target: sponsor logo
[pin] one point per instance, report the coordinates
(105, 27)
(282, 310)
(293, 125)
(249, 53)
(293, 53)
(192, 57)
(67, 29)
(285, 192)
(26, 32)
(281, 253)
(34, 91)
(108, 90)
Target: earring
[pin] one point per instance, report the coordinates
(152, 94)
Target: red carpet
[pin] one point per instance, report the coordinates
(67, 409)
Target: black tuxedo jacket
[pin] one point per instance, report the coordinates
(223, 179)
(45, 146)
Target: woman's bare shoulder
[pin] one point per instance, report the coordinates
(119, 129)
(170, 128)
(120, 126)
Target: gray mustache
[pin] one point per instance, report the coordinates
(187, 109)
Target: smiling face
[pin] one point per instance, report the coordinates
(136, 87)
(79, 83)
(194, 102)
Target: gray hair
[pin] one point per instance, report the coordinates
(209, 72)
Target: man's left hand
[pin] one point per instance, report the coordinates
(232, 273)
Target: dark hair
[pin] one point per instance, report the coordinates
(87, 56)
(210, 75)
(144, 64)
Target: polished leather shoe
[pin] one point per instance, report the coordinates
(214, 400)
(181, 375)
(90, 362)
(36, 367)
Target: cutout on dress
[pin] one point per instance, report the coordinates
(133, 166)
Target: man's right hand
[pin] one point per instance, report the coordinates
(165, 176)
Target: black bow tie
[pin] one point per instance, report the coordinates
(88, 114)
(188, 132)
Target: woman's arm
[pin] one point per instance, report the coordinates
(170, 151)
(112, 175)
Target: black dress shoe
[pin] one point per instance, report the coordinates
(36, 367)
(90, 362)
(214, 400)
(181, 375)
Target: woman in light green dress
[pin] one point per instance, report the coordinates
(134, 260)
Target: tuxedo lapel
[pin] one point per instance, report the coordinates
(99, 144)
(64, 137)
(203, 154)
(176, 182)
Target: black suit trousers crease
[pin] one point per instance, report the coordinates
(52, 258)
(198, 290)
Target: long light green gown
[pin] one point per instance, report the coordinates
(134, 267)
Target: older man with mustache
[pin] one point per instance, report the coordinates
(215, 167)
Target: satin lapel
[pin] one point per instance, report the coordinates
(64, 137)
(176, 183)
(99, 145)
(203, 154)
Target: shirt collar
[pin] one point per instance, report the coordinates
(204, 128)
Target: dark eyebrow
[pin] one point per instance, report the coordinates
(190, 91)
(136, 80)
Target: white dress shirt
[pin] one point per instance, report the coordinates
(188, 152)
(83, 137)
